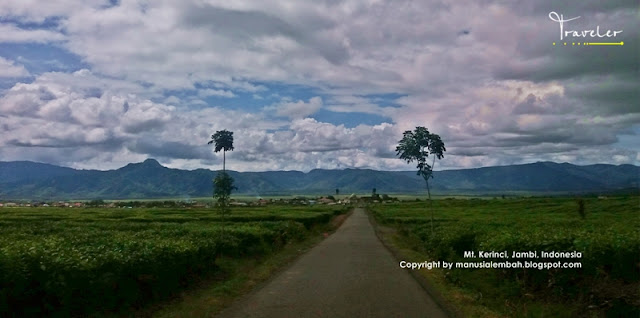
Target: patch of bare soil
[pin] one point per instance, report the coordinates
(338, 220)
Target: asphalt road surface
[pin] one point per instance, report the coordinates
(349, 274)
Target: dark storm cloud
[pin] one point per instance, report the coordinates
(607, 95)
(540, 61)
(468, 152)
(145, 125)
(572, 133)
(248, 24)
(568, 63)
(531, 105)
(533, 8)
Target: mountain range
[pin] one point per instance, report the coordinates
(149, 179)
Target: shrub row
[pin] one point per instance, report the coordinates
(82, 270)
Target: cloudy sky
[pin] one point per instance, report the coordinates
(316, 84)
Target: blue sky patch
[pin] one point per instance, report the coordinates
(42, 58)
(349, 120)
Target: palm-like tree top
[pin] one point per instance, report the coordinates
(223, 140)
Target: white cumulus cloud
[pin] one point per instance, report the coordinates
(9, 68)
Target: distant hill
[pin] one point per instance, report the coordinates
(149, 179)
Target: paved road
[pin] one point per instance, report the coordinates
(350, 274)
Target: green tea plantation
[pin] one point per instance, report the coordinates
(605, 231)
(80, 261)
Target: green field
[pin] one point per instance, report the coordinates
(82, 261)
(607, 236)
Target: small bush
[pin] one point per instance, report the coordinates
(581, 210)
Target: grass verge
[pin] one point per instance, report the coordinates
(456, 302)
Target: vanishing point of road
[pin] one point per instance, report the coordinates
(349, 274)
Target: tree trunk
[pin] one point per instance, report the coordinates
(430, 205)
(429, 192)
(225, 201)
(224, 207)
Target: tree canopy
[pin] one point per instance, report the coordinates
(223, 140)
(417, 145)
(222, 187)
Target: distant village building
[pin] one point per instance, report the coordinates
(199, 205)
(325, 201)
(353, 198)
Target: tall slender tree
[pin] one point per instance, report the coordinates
(223, 140)
(416, 146)
(223, 183)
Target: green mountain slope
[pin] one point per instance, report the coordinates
(149, 179)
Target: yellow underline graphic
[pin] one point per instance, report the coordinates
(606, 43)
(593, 43)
